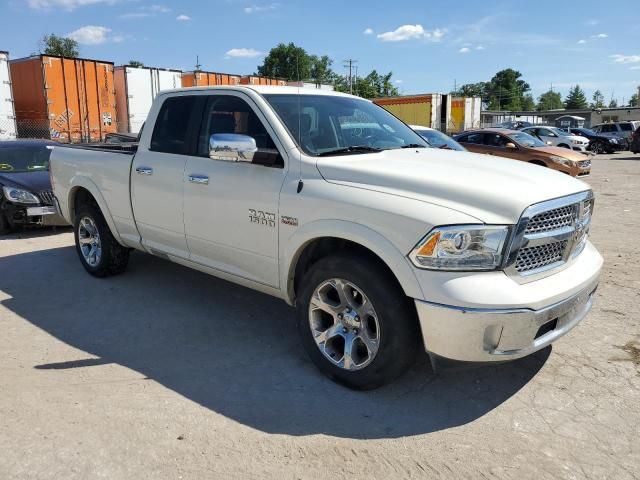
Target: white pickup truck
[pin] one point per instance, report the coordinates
(334, 205)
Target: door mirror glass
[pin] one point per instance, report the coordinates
(511, 145)
(232, 147)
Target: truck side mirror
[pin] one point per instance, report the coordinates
(232, 147)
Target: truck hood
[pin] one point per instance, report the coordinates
(36, 181)
(493, 190)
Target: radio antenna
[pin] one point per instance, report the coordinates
(300, 182)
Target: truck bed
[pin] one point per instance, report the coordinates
(106, 170)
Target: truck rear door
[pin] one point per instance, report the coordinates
(157, 176)
(231, 208)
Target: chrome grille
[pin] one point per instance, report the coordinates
(533, 258)
(552, 220)
(46, 197)
(549, 234)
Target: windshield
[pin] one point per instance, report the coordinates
(586, 131)
(439, 140)
(559, 132)
(526, 140)
(20, 159)
(322, 124)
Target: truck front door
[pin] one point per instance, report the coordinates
(231, 208)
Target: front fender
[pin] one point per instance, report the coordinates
(360, 234)
(78, 182)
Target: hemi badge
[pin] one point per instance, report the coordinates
(289, 221)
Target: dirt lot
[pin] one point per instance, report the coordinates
(166, 373)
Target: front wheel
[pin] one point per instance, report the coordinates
(355, 322)
(596, 147)
(100, 254)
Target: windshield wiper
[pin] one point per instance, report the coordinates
(414, 145)
(353, 149)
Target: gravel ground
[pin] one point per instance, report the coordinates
(167, 373)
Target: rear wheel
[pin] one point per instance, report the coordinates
(100, 254)
(564, 145)
(597, 148)
(355, 322)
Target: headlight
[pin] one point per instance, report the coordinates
(561, 160)
(19, 196)
(613, 140)
(461, 247)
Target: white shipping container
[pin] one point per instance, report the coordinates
(136, 88)
(472, 108)
(7, 113)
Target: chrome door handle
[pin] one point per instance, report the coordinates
(204, 180)
(144, 170)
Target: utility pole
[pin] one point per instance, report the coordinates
(350, 63)
(198, 63)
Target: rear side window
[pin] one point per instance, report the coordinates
(172, 125)
(477, 138)
(626, 127)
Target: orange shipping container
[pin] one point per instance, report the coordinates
(255, 80)
(204, 79)
(65, 99)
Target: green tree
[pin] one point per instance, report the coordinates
(506, 91)
(61, 46)
(528, 103)
(320, 71)
(373, 85)
(471, 90)
(576, 99)
(633, 101)
(135, 63)
(598, 99)
(550, 100)
(289, 62)
(613, 103)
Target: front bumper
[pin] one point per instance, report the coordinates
(39, 215)
(508, 328)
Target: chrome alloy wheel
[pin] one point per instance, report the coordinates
(89, 240)
(344, 324)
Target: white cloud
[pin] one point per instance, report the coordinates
(399, 81)
(368, 31)
(600, 35)
(464, 50)
(479, 47)
(617, 58)
(592, 22)
(183, 18)
(93, 35)
(581, 41)
(145, 12)
(135, 15)
(411, 32)
(64, 4)
(243, 53)
(261, 8)
(637, 67)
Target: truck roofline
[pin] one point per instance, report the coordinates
(262, 89)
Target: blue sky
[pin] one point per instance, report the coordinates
(428, 45)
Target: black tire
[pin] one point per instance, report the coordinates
(5, 226)
(597, 147)
(114, 257)
(398, 335)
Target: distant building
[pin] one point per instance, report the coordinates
(548, 117)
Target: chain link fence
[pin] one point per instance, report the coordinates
(44, 129)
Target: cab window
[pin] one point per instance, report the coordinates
(230, 114)
(496, 140)
(171, 131)
(475, 138)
